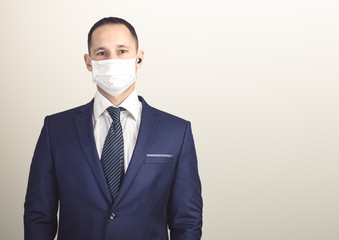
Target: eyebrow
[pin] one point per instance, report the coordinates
(122, 46)
(99, 48)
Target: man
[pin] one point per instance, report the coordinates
(116, 168)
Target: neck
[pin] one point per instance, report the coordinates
(117, 100)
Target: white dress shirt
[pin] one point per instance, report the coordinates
(129, 118)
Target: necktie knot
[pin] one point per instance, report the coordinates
(114, 113)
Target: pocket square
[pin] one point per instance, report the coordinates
(159, 158)
(159, 155)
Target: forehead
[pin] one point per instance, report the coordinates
(112, 35)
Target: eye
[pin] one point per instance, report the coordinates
(100, 53)
(122, 51)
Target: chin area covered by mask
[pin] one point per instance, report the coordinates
(114, 76)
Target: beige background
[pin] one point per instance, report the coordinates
(257, 79)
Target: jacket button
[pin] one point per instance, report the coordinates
(112, 216)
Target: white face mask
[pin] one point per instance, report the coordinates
(114, 76)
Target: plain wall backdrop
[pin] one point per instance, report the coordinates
(258, 79)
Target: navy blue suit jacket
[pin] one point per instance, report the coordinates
(161, 187)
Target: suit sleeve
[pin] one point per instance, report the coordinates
(41, 204)
(185, 204)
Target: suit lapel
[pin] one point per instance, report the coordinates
(147, 129)
(84, 125)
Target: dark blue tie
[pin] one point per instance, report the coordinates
(112, 157)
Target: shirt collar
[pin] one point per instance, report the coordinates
(101, 103)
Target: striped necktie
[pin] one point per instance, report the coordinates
(112, 157)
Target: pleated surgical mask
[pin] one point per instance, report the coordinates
(114, 76)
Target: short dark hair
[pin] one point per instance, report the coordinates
(111, 20)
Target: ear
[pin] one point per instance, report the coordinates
(88, 62)
(140, 55)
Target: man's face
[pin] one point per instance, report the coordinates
(112, 41)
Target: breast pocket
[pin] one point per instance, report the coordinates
(159, 159)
